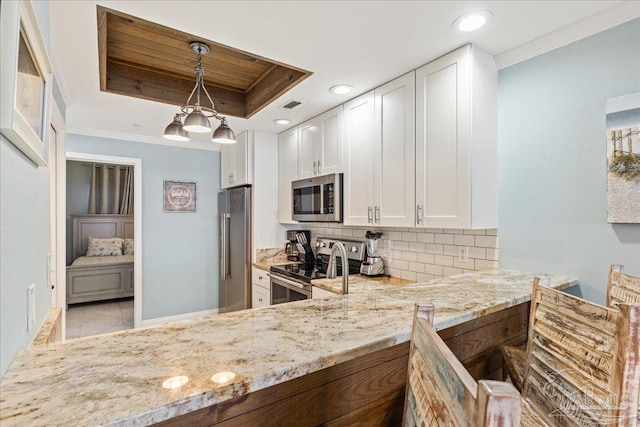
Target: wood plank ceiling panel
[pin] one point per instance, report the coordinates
(145, 60)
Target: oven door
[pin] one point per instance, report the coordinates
(286, 290)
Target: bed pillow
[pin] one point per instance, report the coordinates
(127, 247)
(104, 247)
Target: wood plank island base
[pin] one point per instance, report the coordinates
(335, 361)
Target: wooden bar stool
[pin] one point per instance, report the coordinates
(621, 288)
(441, 392)
(583, 361)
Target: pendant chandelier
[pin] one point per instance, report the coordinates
(196, 116)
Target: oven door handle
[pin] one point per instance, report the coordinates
(286, 281)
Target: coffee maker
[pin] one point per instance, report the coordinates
(292, 247)
(373, 265)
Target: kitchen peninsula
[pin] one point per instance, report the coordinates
(289, 360)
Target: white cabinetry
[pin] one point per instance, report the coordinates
(236, 161)
(260, 292)
(456, 141)
(359, 166)
(287, 172)
(320, 144)
(379, 156)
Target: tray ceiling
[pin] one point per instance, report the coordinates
(146, 60)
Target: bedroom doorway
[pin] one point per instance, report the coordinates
(105, 289)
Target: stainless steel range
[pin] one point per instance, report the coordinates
(292, 282)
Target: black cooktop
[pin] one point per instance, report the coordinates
(304, 272)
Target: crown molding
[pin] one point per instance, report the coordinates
(609, 18)
(196, 145)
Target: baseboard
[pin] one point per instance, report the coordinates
(168, 319)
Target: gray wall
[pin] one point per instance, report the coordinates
(552, 157)
(24, 236)
(179, 250)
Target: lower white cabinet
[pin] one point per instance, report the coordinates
(317, 292)
(260, 289)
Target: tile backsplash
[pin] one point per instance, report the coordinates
(422, 254)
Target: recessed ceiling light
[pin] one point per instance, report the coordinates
(472, 21)
(341, 89)
(282, 121)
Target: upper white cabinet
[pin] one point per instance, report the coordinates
(287, 172)
(456, 141)
(379, 156)
(359, 166)
(320, 144)
(236, 162)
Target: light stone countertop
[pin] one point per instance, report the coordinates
(115, 379)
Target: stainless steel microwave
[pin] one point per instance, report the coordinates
(317, 199)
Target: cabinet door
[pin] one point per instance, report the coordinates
(227, 165)
(395, 150)
(309, 138)
(259, 297)
(287, 172)
(240, 160)
(328, 149)
(442, 142)
(359, 164)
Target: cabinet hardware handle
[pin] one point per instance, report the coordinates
(419, 214)
(369, 214)
(377, 217)
(319, 167)
(315, 168)
(259, 277)
(260, 299)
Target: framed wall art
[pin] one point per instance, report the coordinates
(26, 81)
(179, 196)
(623, 159)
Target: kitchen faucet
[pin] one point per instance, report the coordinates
(331, 268)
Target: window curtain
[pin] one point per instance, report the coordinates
(111, 189)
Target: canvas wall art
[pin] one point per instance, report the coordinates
(623, 159)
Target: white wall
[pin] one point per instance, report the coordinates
(552, 160)
(179, 250)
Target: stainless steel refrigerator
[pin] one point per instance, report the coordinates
(234, 208)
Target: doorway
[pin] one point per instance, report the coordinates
(125, 274)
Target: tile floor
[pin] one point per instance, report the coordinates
(96, 318)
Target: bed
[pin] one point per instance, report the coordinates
(96, 278)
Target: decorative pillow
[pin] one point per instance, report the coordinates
(127, 247)
(104, 247)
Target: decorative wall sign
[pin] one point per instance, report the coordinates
(26, 81)
(623, 159)
(179, 196)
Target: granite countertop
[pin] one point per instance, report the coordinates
(359, 282)
(116, 379)
(265, 258)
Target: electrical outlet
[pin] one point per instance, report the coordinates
(31, 306)
(463, 254)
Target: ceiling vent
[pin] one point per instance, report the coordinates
(291, 105)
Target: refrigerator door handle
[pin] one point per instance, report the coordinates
(224, 273)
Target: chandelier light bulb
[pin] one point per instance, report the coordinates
(175, 131)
